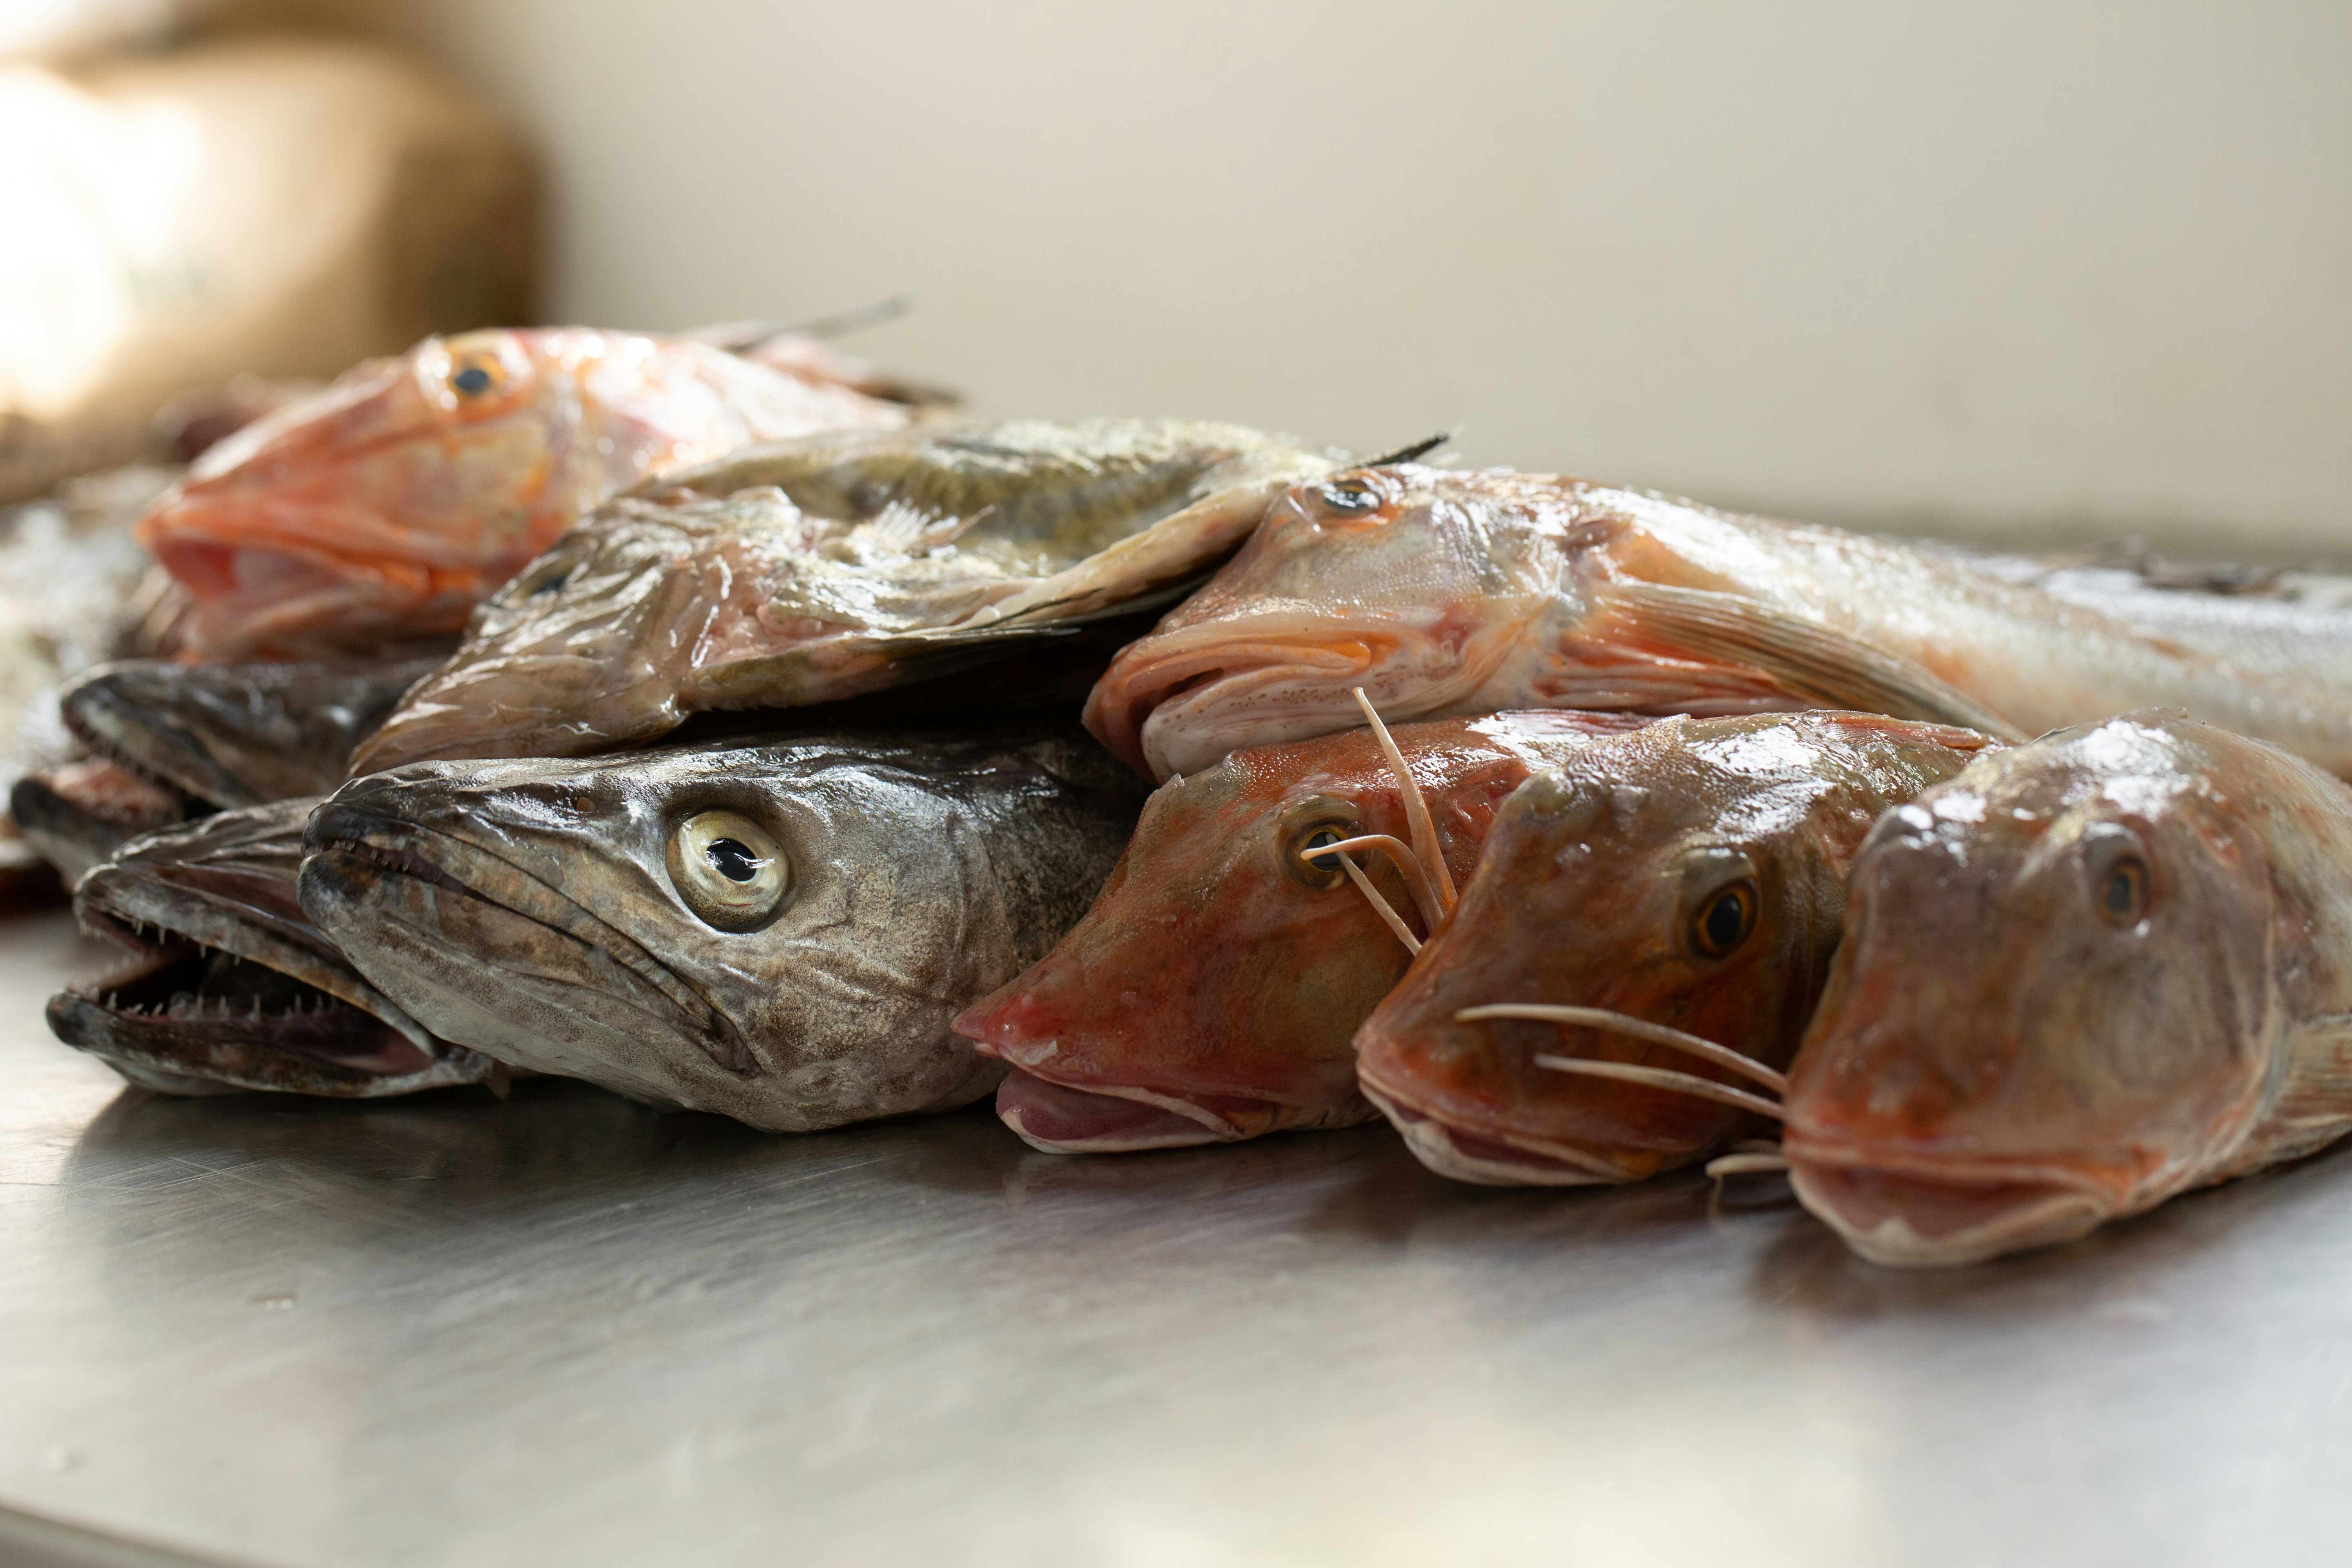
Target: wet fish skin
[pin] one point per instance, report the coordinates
(238, 734)
(806, 571)
(1595, 876)
(1450, 593)
(229, 986)
(531, 909)
(80, 815)
(390, 504)
(2005, 1059)
(1211, 992)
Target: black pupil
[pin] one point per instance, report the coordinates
(1316, 840)
(1725, 919)
(552, 585)
(732, 859)
(1348, 498)
(471, 379)
(2122, 891)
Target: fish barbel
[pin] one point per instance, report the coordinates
(782, 933)
(1688, 878)
(2084, 975)
(388, 505)
(818, 569)
(1210, 992)
(1445, 593)
(229, 986)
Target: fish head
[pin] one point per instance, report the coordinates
(1689, 875)
(226, 984)
(389, 503)
(2050, 999)
(1210, 992)
(781, 932)
(1409, 582)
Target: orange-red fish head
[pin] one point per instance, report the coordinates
(1690, 875)
(1384, 578)
(1210, 992)
(2050, 1001)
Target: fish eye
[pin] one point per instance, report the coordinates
(1725, 919)
(730, 871)
(1350, 498)
(1315, 870)
(2122, 895)
(475, 377)
(551, 583)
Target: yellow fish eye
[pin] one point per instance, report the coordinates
(476, 374)
(1725, 921)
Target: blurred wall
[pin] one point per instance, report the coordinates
(2015, 270)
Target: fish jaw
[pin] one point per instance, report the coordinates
(1945, 1217)
(78, 817)
(227, 985)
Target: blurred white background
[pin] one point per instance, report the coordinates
(2011, 270)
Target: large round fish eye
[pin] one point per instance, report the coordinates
(474, 375)
(2119, 880)
(729, 871)
(1318, 870)
(1307, 825)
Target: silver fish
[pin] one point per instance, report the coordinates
(814, 568)
(229, 986)
(783, 932)
(2084, 975)
(1445, 594)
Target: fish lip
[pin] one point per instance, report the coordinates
(1223, 1127)
(395, 845)
(1438, 1141)
(1208, 1131)
(1139, 686)
(1862, 1194)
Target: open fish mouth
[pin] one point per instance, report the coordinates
(1487, 1157)
(488, 939)
(219, 994)
(1062, 1118)
(1270, 688)
(1917, 1215)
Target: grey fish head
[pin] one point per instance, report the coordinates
(1691, 874)
(228, 984)
(782, 933)
(802, 571)
(1409, 581)
(238, 735)
(2057, 996)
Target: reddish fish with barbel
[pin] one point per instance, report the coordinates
(388, 505)
(1209, 993)
(1637, 958)
(2083, 976)
(1443, 593)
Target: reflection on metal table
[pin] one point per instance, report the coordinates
(564, 1327)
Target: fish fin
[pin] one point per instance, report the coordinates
(2313, 1106)
(1813, 663)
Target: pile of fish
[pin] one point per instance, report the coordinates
(720, 721)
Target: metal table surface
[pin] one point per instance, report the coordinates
(566, 1329)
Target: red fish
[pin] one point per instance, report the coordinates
(386, 507)
(1643, 941)
(1209, 993)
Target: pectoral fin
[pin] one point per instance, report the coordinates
(2313, 1106)
(1811, 662)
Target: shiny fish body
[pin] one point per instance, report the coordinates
(229, 986)
(1598, 889)
(1452, 593)
(782, 933)
(388, 505)
(2085, 976)
(1210, 992)
(835, 566)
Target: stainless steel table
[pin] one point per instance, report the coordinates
(565, 1329)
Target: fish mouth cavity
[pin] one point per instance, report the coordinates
(1221, 670)
(1487, 1157)
(1909, 1213)
(398, 847)
(1045, 1098)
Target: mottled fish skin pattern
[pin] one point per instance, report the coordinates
(228, 985)
(1212, 992)
(531, 909)
(2085, 976)
(824, 568)
(1443, 593)
(238, 735)
(1595, 878)
(390, 504)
